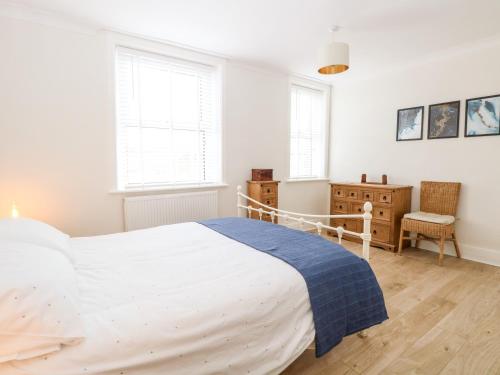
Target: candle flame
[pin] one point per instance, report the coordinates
(14, 212)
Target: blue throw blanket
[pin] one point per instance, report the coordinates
(344, 293)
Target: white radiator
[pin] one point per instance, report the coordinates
(153, 210)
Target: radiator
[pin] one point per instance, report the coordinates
(153, 210)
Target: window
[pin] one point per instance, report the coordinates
(168, 126)
(308, 119)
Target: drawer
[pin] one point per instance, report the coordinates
(367, 196)
(353, 194)
(268, 189)
(381, 213)
(347, 224)
(339, 193)
(357, 208)
(384, 197)
(340, 206)
(269, 201)
(380, 232)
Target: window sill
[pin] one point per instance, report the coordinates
(168, 188)
(307, 179)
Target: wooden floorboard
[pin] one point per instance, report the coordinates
(442, 321)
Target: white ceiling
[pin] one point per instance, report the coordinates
(285, 34)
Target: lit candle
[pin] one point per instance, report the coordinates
(14, 212)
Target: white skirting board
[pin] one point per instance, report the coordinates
(154, 210)
(469, 252)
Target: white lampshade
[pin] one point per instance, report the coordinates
(334, 58)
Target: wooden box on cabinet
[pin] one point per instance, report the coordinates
(265, 192)
(390, 203)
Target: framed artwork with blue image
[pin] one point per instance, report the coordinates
(410, 124)
(482, 116)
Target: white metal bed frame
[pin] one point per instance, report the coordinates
(307, 219)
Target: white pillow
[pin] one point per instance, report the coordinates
(36, 233)
(39, 301)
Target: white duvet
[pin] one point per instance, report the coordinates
(181, 299)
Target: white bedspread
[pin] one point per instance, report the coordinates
(181, 299)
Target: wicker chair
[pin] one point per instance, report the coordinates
(436, 220)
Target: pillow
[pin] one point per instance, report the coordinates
(39, 301)
(36, 233)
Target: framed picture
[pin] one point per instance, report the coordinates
(482, 116)
(443, 120)
(410, 124)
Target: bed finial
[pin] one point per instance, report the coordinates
(368, 208)
(319, 227)
(340, 233)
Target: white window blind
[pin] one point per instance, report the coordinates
(307, 133)
(168, 125)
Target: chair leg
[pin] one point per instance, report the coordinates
(457, 249)
(417, 242)
(401, 234)
(441, 250)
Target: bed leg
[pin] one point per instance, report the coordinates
(362, 334)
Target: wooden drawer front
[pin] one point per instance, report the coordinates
(384, 197)
(380, 232)
(270, 201)
(353, 194)
(339, 193)
(357, 208)
(367, 196)
(347, 224)
(382, 213)
(268, 189)
(340, 206)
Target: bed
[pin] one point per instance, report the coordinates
(185, 299)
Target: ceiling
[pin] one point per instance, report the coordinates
(286, 34)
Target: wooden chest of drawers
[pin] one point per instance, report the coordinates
(390, 203)
(265, 192)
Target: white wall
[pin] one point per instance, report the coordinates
(57, 139)
(364, 132)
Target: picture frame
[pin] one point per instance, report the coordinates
(482, 116)
(444, 120)
(410, 124)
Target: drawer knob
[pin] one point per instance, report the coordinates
(381, 213)
(340, 206)
(268, 202)
(268, 190)
(374, 231)
(384, 197)
(367, 196)
(345, 225)
(359, 209)
(338, 192)
(352, 194)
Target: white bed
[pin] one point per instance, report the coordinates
(180, 299)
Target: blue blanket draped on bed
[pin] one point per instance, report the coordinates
(344, 293)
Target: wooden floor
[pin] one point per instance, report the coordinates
(442, 320)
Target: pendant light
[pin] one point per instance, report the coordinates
(334, 57)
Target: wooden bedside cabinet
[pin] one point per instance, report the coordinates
(265, 192)
(390, 203)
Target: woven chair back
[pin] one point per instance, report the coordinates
(439, 197)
